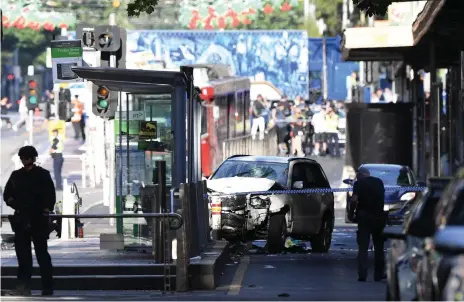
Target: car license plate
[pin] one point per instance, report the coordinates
(386, 208)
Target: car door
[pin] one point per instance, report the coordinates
(304, 206)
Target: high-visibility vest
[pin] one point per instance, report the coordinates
(59, 146)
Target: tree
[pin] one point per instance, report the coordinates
(373, 7)
(328, 10)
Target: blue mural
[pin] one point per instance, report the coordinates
(280, 57)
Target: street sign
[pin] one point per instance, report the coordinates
(133, 115)
(148, 130)
(65, 55)
(57, 124)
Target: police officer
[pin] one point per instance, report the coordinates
(368, 198)
(56, 151)
(31, 193)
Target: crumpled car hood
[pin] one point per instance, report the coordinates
(239, 184)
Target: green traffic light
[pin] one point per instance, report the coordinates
(103, 104)
(33, 100)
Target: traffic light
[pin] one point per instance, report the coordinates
(104, 103)
(33, 92)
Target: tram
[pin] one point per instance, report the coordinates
(225, 110)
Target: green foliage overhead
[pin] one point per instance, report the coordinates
(373, 7)
(328, 11)
(137, 7)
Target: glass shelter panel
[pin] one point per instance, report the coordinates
(143, 136)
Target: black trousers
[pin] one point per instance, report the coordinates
(24, 255)
(58, 161)
(332, 144)
(366, 229)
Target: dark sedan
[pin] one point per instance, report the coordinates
(397, 202)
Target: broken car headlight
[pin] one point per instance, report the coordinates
(257, 202)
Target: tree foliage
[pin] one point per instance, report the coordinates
(373, 7)
(328, 10)
(137, 7)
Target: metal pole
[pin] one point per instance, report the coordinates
(109, 125)
(161, 208)
(31, 127)
(433, 111)
(324, 68)
(460, 117)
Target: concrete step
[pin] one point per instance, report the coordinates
(96, 282)
(102, 270)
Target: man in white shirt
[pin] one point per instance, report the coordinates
(318, 122)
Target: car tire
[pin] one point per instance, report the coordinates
(276, 234)
(322, 241)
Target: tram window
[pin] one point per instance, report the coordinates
(239, 119)
(204, 119)
(231, 109)
(221, 122)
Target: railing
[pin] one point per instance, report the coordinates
(248, 146)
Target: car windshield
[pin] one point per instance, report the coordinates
(235, 168)
(392, 177)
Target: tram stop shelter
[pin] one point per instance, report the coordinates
(158, 118)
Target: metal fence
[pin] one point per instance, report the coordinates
(248, 146)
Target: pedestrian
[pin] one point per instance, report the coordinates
(5, 107)
(56, 152)
(318, 122)
(297, 134)
(368, 203)
(23, 107)
(78, 119)
(258, 108)
(31, 193)
(282, 127)
(331, 130)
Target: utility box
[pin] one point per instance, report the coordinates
(379, 133)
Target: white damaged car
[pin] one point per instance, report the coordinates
(240, 187)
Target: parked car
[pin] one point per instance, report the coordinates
(406, 249)
(273, 216)
(441, 248)
(397, 202)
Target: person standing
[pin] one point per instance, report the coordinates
(78, 119)
(282, 128)
(56, 152)
(31, 193)
(297, 134)
(5, 107)
(318, 122)
(368, 201)
(257, 110)
(331, 128)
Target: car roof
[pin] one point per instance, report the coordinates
(383, 166)
(269, 159)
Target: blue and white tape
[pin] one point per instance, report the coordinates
(318, 190)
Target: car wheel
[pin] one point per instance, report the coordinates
(322, 241)
(276, 234)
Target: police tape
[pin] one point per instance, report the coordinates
(401, 189)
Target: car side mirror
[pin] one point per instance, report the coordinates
(450, 240)
(395, 232)
(298, 185)
(348, 181)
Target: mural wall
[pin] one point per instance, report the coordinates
(280, 57)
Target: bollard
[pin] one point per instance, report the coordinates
(201, 215)
(182, 262)
(204, 191)
(194, 221)
(184, 194)
(216, 209)
(65, 230)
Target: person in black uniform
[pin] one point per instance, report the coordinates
(56, 152)
(31, 193)
(369, 198)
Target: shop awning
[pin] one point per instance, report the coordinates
(131, 80)
(388, 43)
